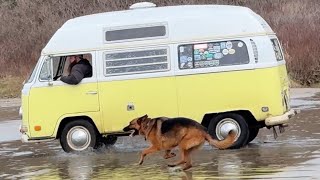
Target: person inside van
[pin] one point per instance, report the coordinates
(78, 69)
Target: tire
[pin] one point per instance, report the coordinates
(78, 136)
(109, 140)
(253, 132)
(220, 126)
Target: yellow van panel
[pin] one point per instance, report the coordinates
(190, 96)
(48, 104)
(229, 91)
(25, 111)
(154, 96)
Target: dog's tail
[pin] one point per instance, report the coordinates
(223, 144)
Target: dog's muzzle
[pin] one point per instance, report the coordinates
(133, 133)
(127, 129)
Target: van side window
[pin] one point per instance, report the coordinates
(62, 66)
(134, 62)
(277, 49)
(45, 73)
(135, 33)
(213, 54)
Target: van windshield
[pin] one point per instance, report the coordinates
(33, 74)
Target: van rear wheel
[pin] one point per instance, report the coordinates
(221, 125)
(78, 135)
(253, 132)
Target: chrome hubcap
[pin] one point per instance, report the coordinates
(225, 126)
(78, 138)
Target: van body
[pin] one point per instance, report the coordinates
(222, 66)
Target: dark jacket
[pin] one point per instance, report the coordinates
(79, 71)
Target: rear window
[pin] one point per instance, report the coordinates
(213, 54)
(136, 33)
(277, 49)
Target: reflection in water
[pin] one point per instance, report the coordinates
(294, 155)
(254, 161)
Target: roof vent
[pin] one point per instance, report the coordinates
(142, 5)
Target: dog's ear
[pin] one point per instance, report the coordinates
(145, 116)
(139, 121)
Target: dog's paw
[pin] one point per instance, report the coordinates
(171, 165)
(167, 156)
(176, 169)
(186, 167)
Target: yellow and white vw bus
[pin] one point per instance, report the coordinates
(220, 65)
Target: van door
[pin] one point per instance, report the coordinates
(50, 100)
(134, 83)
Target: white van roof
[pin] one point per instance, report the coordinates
(184, 24)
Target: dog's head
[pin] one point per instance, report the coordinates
(136, 125)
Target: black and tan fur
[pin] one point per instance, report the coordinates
(168, 133)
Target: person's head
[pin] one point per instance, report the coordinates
(75, 58)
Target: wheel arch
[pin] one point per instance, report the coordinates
(246, 114)
(67, 120)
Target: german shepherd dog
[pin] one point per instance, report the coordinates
(167, 133)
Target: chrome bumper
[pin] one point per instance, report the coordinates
(25, 139)
(283, 119)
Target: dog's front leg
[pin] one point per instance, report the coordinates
(151, 149)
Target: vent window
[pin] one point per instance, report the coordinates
(145, 61)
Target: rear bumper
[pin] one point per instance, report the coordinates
(24, 138)
(282, 119)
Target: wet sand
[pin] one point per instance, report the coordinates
(294, 155)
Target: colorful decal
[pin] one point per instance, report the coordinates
(216, 48)
(225, 52)
(183, 59)
(232, 51)
(209, 56)
(216, 62)
(229, 45)
(223, 45)
(240, 44)
(197, 57)
(211, 50)
(200, 46)
(218, 55)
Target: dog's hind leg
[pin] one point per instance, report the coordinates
(182, 160)
(169, 154)
(188, 159)
(149, 150)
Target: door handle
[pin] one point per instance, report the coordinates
(92, 92)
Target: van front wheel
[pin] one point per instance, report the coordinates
(221, 125)
(109, 140)
(78, 136)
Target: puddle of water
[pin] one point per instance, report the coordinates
(282, 159)
(9, 130)
(294, 155)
